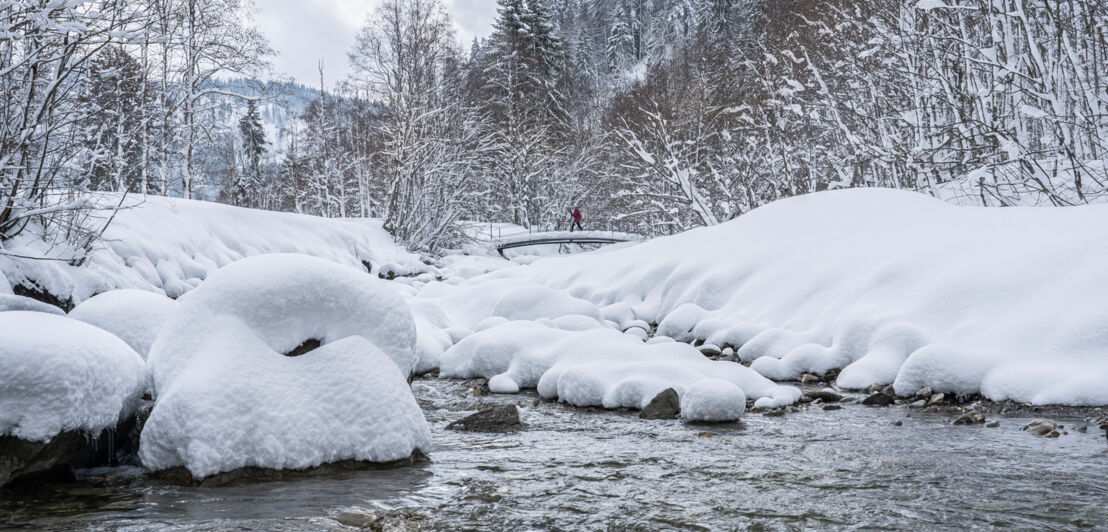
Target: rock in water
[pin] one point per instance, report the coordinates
(826, 396)
(1041, 427)
(878, 399)
(666, 405)
(497, 419)
(399, 520)
(972, 417)
(23, 460)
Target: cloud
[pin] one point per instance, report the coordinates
(473, 18)
(305, 31)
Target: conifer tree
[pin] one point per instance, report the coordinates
(253, 147)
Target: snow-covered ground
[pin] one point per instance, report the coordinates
(890, 286)
(170, 245)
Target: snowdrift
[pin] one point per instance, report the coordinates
(889, 286)
(134, 316)
(170, 245)
(602, 367)
(227, 396)
(58, 374)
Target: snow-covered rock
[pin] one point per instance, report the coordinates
(58, 374)
(9, 302)
(602, 367)
(135, 316)
(227, 397)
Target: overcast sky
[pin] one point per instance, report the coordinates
(305, 31)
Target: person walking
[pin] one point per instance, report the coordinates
(576, 220)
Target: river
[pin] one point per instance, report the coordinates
(583, 469)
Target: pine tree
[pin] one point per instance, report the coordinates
(113, 124)
(524, 69)
(253, 147)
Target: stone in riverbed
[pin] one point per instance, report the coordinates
(399, 520)
(1042, 428)
(665, 405)
(496, 419)
(918, 404)
(972, 417)
(992, 424)
(936, 399)
(26, 461)
(356, 517)
(832, 407)
(924, 393)
(825, 396)
(809, 378)
(878, 399)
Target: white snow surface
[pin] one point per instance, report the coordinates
(597, 366)
(226, 397)
(135, 316)
(170, 245)
(9, 302)
(60, 374)
(890, 286)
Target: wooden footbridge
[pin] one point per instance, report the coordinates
(562, 237)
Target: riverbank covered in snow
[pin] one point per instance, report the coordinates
(888, 286)
(170, 245)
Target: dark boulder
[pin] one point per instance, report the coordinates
(826, 396)
(496, 419)
(666, 405)
(24, 461)
(879, 399)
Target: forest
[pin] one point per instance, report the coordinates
(652, 116)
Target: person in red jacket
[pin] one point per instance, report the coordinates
(576, 220)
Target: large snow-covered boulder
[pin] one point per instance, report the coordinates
(603, 367)
(135, 316)
(228, 397)
(59, 374)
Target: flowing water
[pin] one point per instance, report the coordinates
(577, 469)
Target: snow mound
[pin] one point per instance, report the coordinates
(713, 400)
(135, 316)
(889, 286)
(480, 300)
(602, 367)
(60, 374)
(227, 397)
(170, 245)
(9, 302)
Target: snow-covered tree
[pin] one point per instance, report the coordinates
(252, 137)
